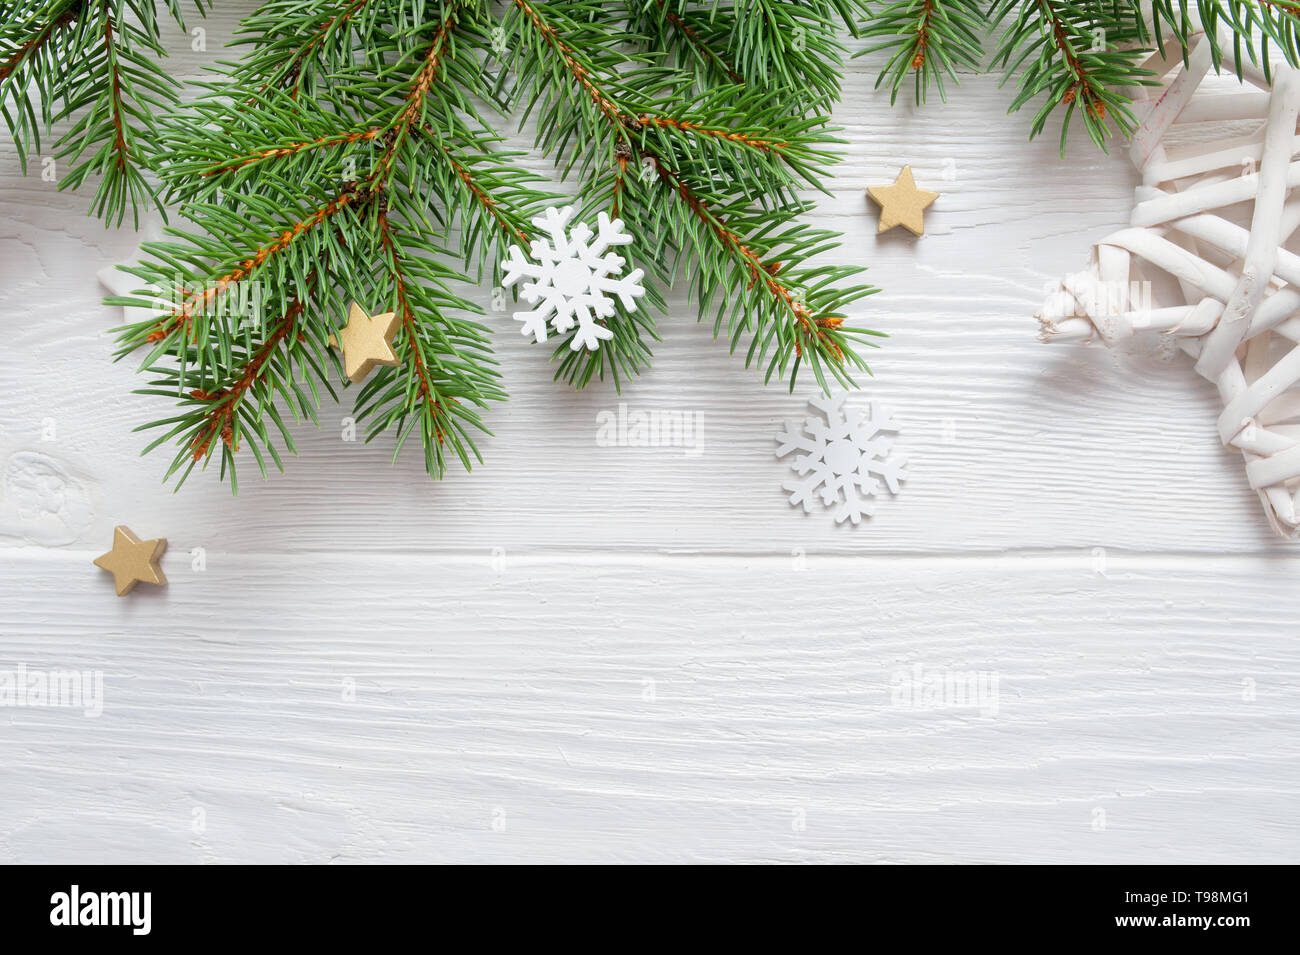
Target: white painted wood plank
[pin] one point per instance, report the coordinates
(656, 708)
(517, 692)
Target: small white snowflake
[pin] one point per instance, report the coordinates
(574, 278)
(844, 455)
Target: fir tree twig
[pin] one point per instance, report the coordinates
(92, 64)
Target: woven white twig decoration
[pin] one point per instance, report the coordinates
(1204, 263)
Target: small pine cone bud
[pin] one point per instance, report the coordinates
(919, 60)
(622, 151)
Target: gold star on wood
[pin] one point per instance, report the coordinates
(132, 560)
(367, 342)
(902, 203)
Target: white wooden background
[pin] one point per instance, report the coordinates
(665, 661)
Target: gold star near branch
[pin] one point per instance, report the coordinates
(366, 341)
(902, 203)
(132, 560)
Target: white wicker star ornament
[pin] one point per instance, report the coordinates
(1205, 260)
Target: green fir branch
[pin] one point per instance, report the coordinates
(705, 211)
(93, 67)
(351, 153)
(1071, 57)
(927, 40)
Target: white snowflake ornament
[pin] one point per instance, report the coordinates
(574, 276)
(846, 456)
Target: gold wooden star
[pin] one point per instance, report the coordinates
(902, 203)
(367, 341)
(132, 560)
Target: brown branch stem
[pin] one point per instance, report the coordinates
(38, 40)
(120, 149)
(700, 46)
(344, 139)
(219, 420)
(196, 301)
(763, 145)
(427, 389)
(759, 271)
(1082, 78)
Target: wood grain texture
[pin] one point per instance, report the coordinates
(654, 708)
(586, 653)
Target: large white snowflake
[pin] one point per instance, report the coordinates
(574, 277)
(845, 452)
